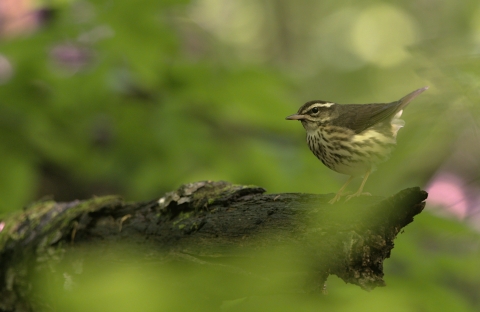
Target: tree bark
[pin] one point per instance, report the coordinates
(350, 240)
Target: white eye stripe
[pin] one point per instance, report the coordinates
(322, 105)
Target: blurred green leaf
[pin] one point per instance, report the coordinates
(138, 97)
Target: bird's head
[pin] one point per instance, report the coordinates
(314, 114)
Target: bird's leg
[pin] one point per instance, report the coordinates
(339, 193)
(359, 192)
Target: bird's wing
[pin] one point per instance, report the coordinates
(359, 117)
(363, 116)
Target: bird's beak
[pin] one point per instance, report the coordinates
(295, 117)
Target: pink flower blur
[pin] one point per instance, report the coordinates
(446, 191)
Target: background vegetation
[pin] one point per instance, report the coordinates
(138, 97)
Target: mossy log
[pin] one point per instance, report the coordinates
(350, 240)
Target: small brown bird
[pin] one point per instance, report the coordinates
(352, 138)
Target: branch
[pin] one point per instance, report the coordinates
(350, 240)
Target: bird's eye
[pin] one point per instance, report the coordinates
(314, 110)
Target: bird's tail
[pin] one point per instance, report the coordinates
(403, 102)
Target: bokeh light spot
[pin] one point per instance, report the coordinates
(381, 34)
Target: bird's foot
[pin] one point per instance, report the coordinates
(335, 199)
(356, 195)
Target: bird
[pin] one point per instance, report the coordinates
(352, 138)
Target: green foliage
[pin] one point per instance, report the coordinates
(137, 97)
(420, 276)
(138, 118)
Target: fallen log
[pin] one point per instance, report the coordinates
(209, 220)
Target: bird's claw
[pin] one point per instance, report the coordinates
(356, 195)
(347, 198)
(335, 199)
